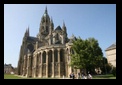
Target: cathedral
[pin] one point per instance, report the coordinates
(47, 54)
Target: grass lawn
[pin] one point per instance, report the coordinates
(107, 76)
(12, 76)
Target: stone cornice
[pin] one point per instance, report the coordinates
(49, 47)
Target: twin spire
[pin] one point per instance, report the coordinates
(64, 25)
(27, 32)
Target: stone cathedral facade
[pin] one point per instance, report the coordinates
(47, 54)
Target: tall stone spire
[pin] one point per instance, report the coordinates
(51, 23)
(64, 24)
(46, 13)
(28, 31)
(25, 35)
(46, 10)
(64, 27)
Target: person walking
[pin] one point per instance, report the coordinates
(73, 76)
(70, 75)
(78, 75)
(89, 76)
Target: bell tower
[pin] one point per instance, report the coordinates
(44, 25)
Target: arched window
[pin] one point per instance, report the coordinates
(61, 55)
(30, 47)
(46, 28)
(67, 51)
(50, 56)
(40, 58)
(55, 55)
(44, 57)
(57, 37)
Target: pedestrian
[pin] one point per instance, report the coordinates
(82, 75)
(70, 75)
(89, 76)
(78, 75)
(73, 76)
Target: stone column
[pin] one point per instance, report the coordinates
(62, 39)
(53, 63)
(26, 62)
(24, 67)
(41, 65)
(49, 40)
(59, 62)
(47, 63)
(21, 67)
(35, 65)
(28, 66)
(65, 62)
(36, 45)
(54, 38)
(69, 67)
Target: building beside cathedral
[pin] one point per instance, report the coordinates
(111, 54)
(47, 54)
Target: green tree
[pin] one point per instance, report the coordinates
(87, 54)
(114, 71)
(77, 60)
(103, 66)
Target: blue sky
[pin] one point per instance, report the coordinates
(84, 20)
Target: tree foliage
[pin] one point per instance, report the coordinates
(86, 54)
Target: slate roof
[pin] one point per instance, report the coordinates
(32, 38)
(58, 28)
(8, 66)
(111, 47)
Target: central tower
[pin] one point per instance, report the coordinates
(44, 25)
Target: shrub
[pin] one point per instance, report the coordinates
(114, 71)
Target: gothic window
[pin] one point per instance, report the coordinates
(44, 57)
(40, 58)
(46, 20)
(61, 55)
(37, 59)
(30, 47)
(46, 28)
(33, 62)
(50, 56)
(57, 38)
(42, 29)
(67, 51)
(56, 56)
